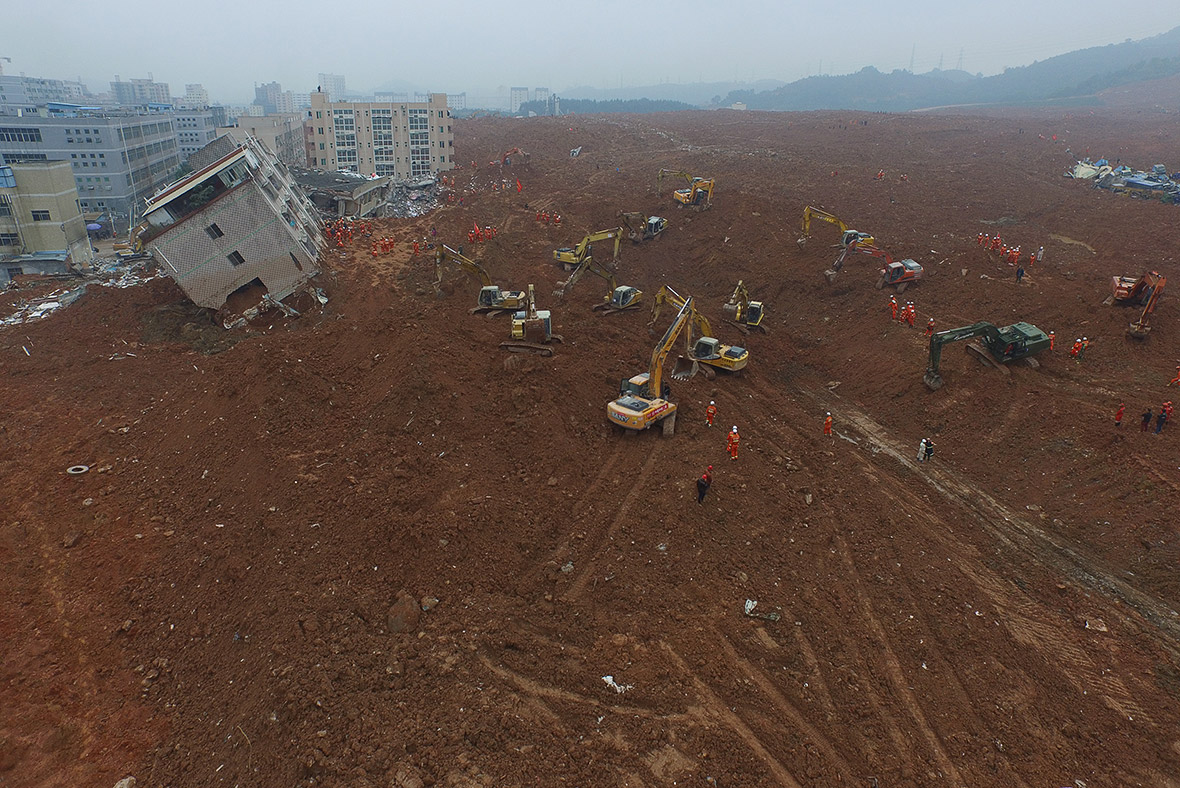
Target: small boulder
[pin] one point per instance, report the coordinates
(403, 613)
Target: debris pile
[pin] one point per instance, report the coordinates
(1153, 184)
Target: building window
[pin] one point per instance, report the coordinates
(235, 258)
(20, 135)
(214, 231)
(9, 239)
(41, 216)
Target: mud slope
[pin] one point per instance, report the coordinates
(369, 548)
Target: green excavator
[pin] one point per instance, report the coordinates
(998, 346)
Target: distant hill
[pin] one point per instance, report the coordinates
(1080, 73)
(696, 93)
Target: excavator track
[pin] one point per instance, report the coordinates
(527, 347)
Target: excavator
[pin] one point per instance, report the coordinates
(698, 193)
(1134, 290)
(492, 300)
(619, 298)
(899, 273)
(642, 228)
(999, 346)
(847, 236)
(742, 312)
(532, 330)
(506, 159)
(571, 257)
(1141, 327)
(706, 350)
(644, 399)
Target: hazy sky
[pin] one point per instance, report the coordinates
(479, 47)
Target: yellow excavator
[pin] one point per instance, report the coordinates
(571, 257)
(847, 236)
(697, 194)
(706, 349)
(641, 227)
(532, 330)
(742, 312)
(619, 298)
(1142, 327)
(645, 400)
(491, 300)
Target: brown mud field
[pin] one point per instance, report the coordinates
(367, 547)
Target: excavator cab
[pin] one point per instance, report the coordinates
(655, 226)
(855, 237)
(622, 299)
(753, 314)
(490, 296)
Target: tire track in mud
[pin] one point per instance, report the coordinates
(1014, 531)
(784, 707)
(894, 670)
(717, 709)
(1027, 620)
(578, 586)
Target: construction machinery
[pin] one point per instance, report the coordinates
(1141, 328)
(520, 155)
(999, 346)
(1134, 290)
(697, 194)
(619, 298)
(742, 312)
(642, 228)
(532, 330)
(705, 349)
(899, 273)
(644, 400)
(847, 236)
(492, 300)
(570, 257)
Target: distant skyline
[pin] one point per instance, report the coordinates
(483, 48)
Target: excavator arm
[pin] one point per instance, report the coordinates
(1141, 327)
(470, 266)
(660, 354)
(688, 177)
(932, 378)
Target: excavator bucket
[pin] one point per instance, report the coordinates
(685, 368)
(729, 311)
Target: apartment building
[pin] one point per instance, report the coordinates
(516, 97)
(404, 140)
(238, 219)
(27, 93)
(138, 92)
(117, 158)
(39, 211)
(282, 134)
(195, 96)
(195, 128)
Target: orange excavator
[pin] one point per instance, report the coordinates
(522, 157)
(899, 273)
(1134, 290)
(1141, 328)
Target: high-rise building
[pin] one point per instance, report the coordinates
(39, 212)
(25, 93)
(117, 158)
(282, 134)
(195, 128)
(267, 97)
(138, 92)
(541, 95)
(195, 96)
(333, 85)
(403, 140)
(516, 97)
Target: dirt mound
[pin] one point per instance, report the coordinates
(367, 547)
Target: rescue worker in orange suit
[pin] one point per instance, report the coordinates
(1176, 380)
(828, 424)
(731, 443)
(893, 307)
(710, 413)
(1076, 350)
(538, 216)
(1118, 417)
(910, 314)
(703, 484)
(930, 327)
(1053, 337)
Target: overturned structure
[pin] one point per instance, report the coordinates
(237, 219)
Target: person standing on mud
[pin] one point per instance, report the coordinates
(710, 413)
(1118, 417)
(731, 443)
(704, 483)
(828, 424)
(922, 450)
(929, 450)
(1019, 273)
(1146, 423)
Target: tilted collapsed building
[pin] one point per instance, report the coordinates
(238, 219)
